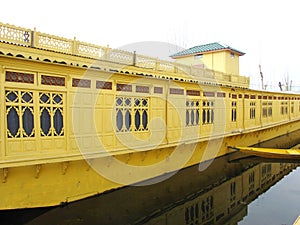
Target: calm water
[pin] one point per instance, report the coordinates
(279, 205)
(240, 192)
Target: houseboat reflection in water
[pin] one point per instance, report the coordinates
(218, 195)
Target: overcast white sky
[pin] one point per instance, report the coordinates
(268, 31)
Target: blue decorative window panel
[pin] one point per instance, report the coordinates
(19, 114)
(192, 113)
(132, 114)
(51, 114)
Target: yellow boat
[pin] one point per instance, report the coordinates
(270, 152)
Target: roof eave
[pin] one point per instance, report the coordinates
(236, 51)
(206, 52)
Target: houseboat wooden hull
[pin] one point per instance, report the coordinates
(50, 184)
(80, 119)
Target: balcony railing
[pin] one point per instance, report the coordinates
(33, 38)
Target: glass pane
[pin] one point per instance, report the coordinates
(145, 119)
(28, 122)
(192, 117)
(13, 123)
(44, 98)
(208, 116)
(137, 102)
(127, 120)
(11, 96)
(119, 101)
(197, 211)
(128, 101)
(57, 99)
(145, 102)
(187, 216)
(58, 122)
(187, 117)
(26, 96)
(197, 117)
(137, 120)
(119, 120)
(45, 122)
(203, 116)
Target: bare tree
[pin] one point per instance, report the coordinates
(262, 78)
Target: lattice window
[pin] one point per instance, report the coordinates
(192, 113)
(103, 85)
(19, 77)
(84, 83)
(266, 169)
(270, 109)
(267, 110)
(159, 90)
(208, 112)
(124, 87)
(266, 174)
(51, 114)
(207, 209)
(53, 80)
(176, 91)
(123, 113)
(252, 110)
(192, 214)
(132, 114)
(232, 191)
(141, 114)
(251, 181)
(19, 113)
(284, 108)
(142, 89)
(233, 111)
(264, 109)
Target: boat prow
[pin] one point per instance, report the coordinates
(270, 152)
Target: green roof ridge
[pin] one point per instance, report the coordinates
(214, 46)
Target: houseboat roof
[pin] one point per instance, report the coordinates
(212, 47)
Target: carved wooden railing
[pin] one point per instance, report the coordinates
(32, 38)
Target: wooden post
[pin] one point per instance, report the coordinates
(74, 47)
(107, 53)
(134, 58)
(156, 64)
(175, 67)
(34, 38)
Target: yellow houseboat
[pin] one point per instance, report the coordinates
(80, 119)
